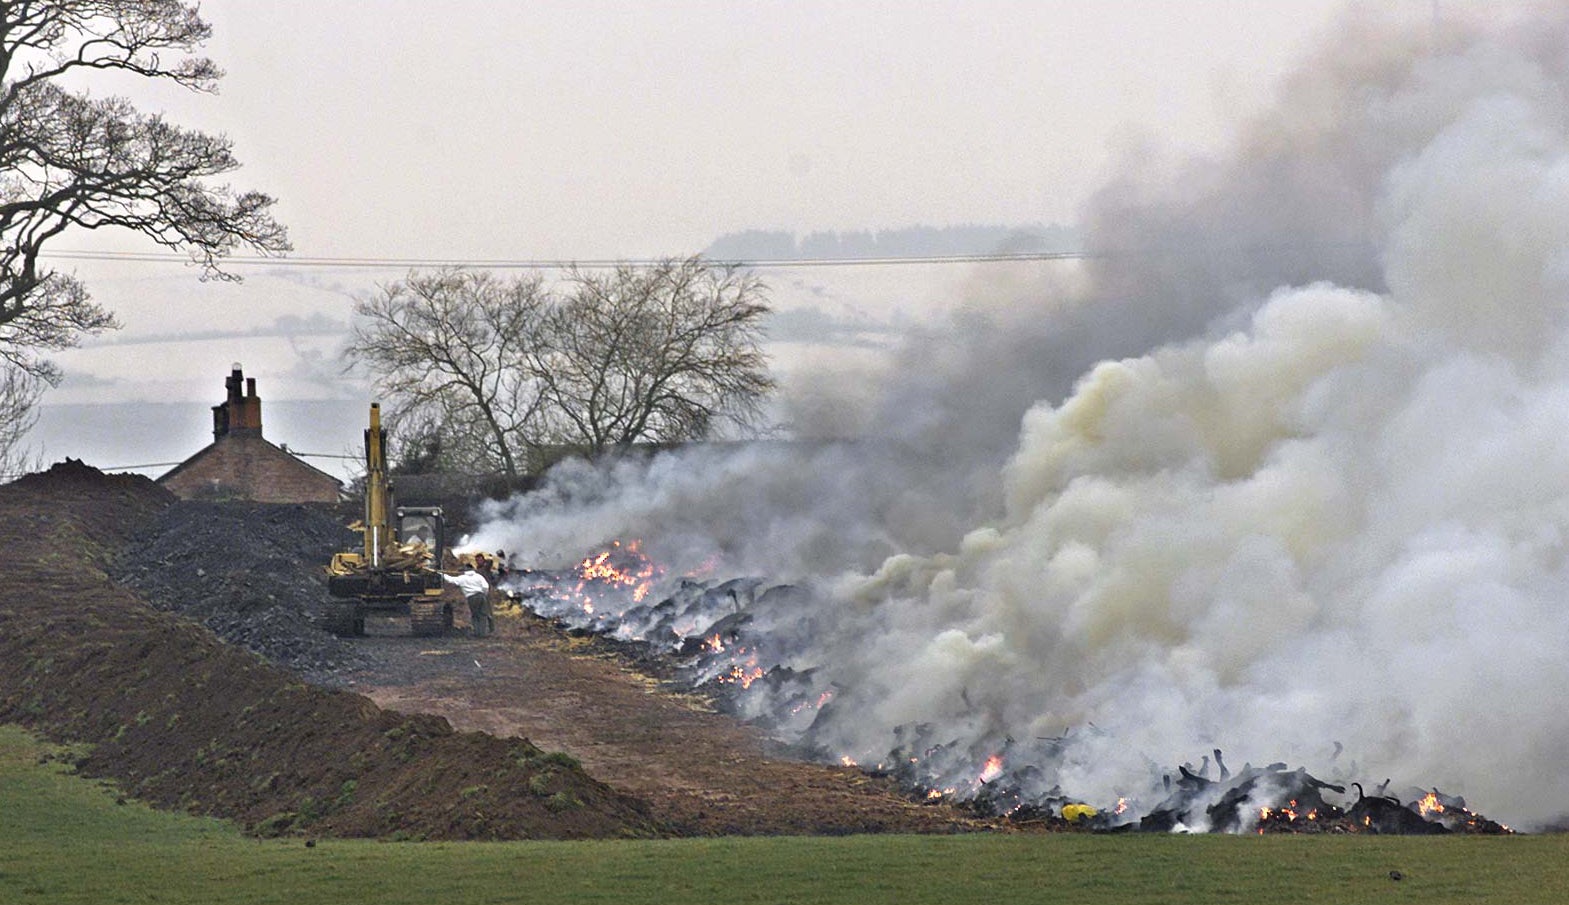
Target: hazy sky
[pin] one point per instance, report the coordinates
(600, 129)
(578, 130)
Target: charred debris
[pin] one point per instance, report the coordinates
(730, 641)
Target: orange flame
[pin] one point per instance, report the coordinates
(743, 676)
(822, 699)
(1429, 805)
(993, 768)
(621, 566)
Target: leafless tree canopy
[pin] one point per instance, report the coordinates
(19, 391)
(484, 374)
(72, 161)
(447, 351)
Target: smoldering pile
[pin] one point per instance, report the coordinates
(1016, 781)
(731, 639)
(736, 640)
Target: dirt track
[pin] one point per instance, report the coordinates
(698, 770)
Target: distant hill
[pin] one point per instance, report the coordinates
(906, 242)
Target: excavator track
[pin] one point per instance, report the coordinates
(429, 616)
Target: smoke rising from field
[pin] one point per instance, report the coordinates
(1284, 467)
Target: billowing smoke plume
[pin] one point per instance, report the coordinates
(1284, 466)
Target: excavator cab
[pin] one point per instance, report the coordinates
(423, 525)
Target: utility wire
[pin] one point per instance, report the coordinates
(135, 467)
(371, 263)
(172, 464)
(539, 264)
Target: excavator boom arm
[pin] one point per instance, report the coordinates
(379, 532)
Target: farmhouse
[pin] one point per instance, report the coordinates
(240, 464)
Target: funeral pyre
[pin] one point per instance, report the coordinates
(733, 640)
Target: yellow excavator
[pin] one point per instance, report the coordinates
(397, 570)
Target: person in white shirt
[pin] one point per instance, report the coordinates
(476, 590)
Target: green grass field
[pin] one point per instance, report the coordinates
(64, 839)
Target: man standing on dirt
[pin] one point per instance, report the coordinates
(476, 590)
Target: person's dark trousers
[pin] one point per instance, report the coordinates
(479, 614)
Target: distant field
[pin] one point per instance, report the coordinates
(65, 840)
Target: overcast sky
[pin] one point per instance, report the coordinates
(591, 129)
(581, 130)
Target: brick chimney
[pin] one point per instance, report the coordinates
(241, 412)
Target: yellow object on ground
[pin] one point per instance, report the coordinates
(1073, 813)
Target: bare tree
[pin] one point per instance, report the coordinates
(661, 354)
(19, 393)
(69, 161)
(484, 374)
(447, 350)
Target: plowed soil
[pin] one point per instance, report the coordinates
(443, 738)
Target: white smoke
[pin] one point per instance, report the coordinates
(1308, 484)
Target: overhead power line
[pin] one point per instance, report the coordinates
(543, 264)
(292, 452)
(135, 467)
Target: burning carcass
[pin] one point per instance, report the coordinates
(736, 641)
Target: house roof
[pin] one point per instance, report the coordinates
(257, 444)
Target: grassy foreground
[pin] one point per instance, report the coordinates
(65, 840)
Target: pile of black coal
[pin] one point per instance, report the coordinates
(252, 573)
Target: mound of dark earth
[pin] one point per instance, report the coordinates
(182, 719)
(251, 572)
